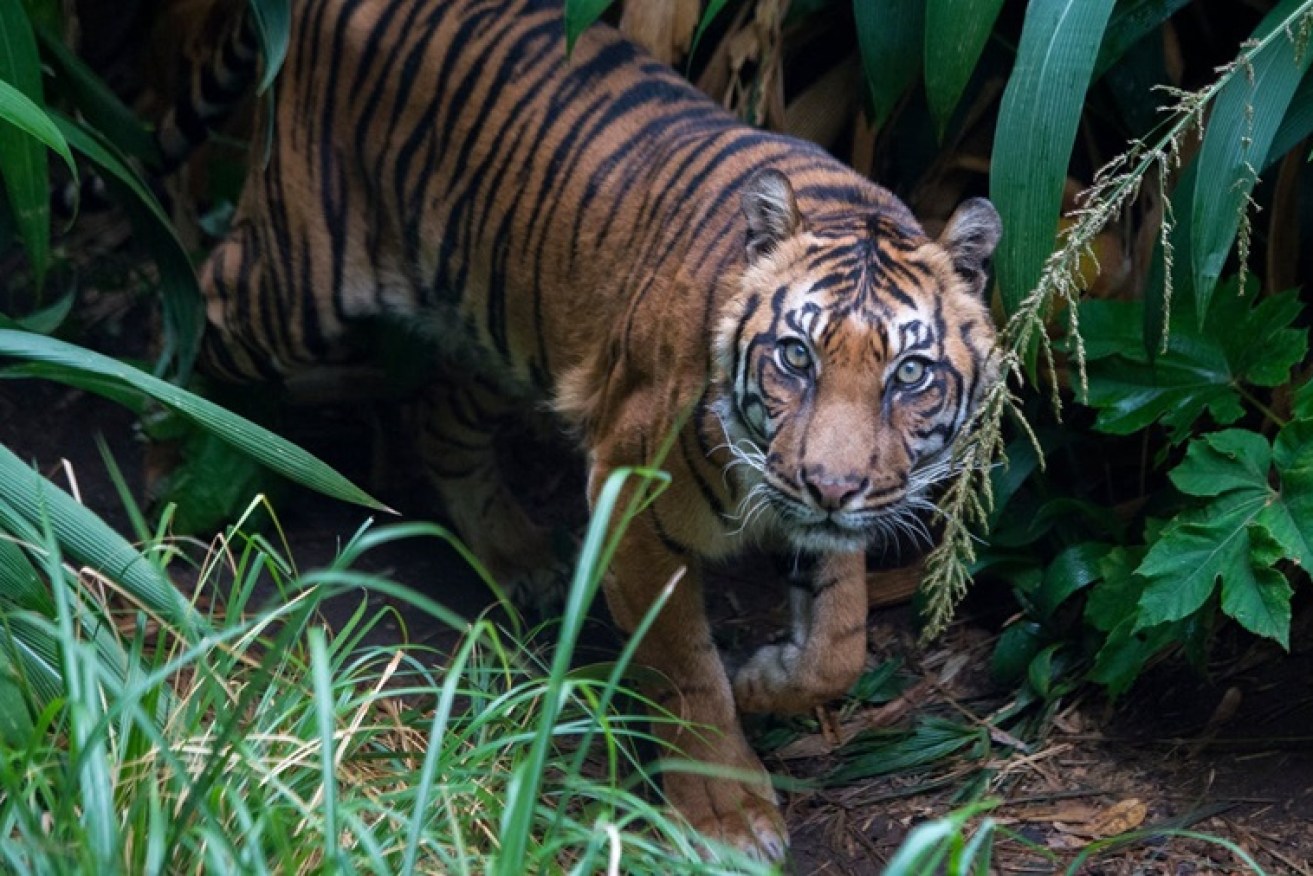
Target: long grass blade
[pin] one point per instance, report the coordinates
(279, 454)
(889, 33)
(955, 34)
(101, 107)
(1131, 22)
(579, 16)
(1036, 130)
(1245, 118)
(273, 20)
(21, 112)
(180, 292)
(90, 541)
(23, 166)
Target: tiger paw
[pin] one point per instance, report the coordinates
(768, 682)
(777, 679)
(540, 591)
(740, 814)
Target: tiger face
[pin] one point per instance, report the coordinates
(855, 350)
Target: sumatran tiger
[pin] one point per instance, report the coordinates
(587, 232)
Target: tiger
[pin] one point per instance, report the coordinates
(583, 232)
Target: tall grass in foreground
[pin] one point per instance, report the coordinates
(263, 742)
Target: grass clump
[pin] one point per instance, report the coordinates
(262, 741)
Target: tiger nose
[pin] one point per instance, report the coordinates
(829, 493)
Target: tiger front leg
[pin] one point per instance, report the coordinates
(826, 649)
(738, 805)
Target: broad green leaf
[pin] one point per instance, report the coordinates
(45, 320)
(276, 452)
(20, 587)
(89, 540)
(15, 720)
(1114, 601)
(1183, 567)
(1131, 22)
(708, 16)
(94, 100)
(1016, 648)
(1040, 672)
(889, 34)
(1257, 595)
(1244, 119)
(273, 20)
(1126, 651)
(23, 167)
(1036, 130)
(955, 34)
(1303, 405)
(1201, 370)
(1290, 521)
(1237, 536)
(1072, 570)
(1295, 127)
(211, 484)
(1234, 459)
(579, 16)
(22, 113)
(180, 293)
(1133, 82)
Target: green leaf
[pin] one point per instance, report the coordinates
(15, 720)
(23, 167)
(89, 540)
(180, 291)
(1035, 133)
(579, 16)
(955, 34)
(31, 119)
(211, 484)
(708, 16)
(1131, 22)
(273, 20)
(1303, 404)
(889, 34)
(1290, 522)
(1126, 651)
(1072, 570)
(1016, 648)
(1183, 567)
(276, 452)
(1244, 529)
(1201, 371)
(1235, 459)
(1114, 601)
(1257, 595)
(1040, 672)
(94, 100)
(1210, 541)
(1244, 119)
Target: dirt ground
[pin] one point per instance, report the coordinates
(1228, 754)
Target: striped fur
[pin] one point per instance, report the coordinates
(593, 234)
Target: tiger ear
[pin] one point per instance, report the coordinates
(969, 237)
(771, 211)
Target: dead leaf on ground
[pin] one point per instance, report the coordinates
(1121, 817)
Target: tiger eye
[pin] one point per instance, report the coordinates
(910, 372)
(796, 356)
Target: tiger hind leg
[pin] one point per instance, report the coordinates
(459, 427)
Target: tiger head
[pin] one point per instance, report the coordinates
(852, 353)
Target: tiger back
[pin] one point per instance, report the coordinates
(590, 233)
